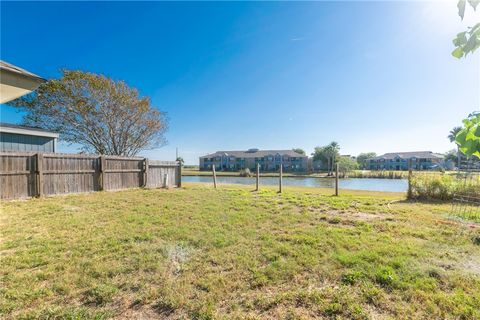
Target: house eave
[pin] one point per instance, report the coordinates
(29, 132)
(14, 84)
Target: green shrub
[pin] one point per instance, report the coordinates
(442, 186)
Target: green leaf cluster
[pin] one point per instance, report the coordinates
(363, 157)
(347, 164)
(327, 154)
(468, 139)
(462, 4)
(467, 41)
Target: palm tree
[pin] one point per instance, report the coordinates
(332, 151)
(451, 137)
(453, 133)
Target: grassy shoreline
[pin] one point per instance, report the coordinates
(354, 174)
(197, 252)
(190, 172)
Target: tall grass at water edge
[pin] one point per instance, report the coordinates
(443, 186)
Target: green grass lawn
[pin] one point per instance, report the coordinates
(232, 253)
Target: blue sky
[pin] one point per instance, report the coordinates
(373, 76)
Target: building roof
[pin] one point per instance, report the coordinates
(408, 155)
(254, 153)
(5, 66)
(16, 82)
(25, 130)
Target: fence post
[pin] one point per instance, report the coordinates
(280, 179)
(258, 177)
(214, 177)
(103, 167)
(336, 179)
(39, 174)
(410, 175)
(145, 172)
(179, 173)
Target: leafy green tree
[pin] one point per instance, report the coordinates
(299, 150)
(327, 154)
(100, 114)
(319, 154)
(363, 157)
(468, 139)
(346, 164)
(467, 41)
(333, 152)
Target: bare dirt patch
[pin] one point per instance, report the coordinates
(358, 216)
(177, 256)
(471, 265)
(140, 313)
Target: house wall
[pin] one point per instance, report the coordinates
(403, 164)
(267, 163)
(26, 143)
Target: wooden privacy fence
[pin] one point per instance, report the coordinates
(24, 175)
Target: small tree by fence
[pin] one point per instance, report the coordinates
(24, 175)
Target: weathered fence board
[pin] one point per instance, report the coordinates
(24, 175)
(19, 178)
(123, 173)
(64, 174)
(157, 171)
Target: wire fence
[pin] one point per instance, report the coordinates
(466, 200)
(461, 187)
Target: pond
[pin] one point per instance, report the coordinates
(389, 185)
